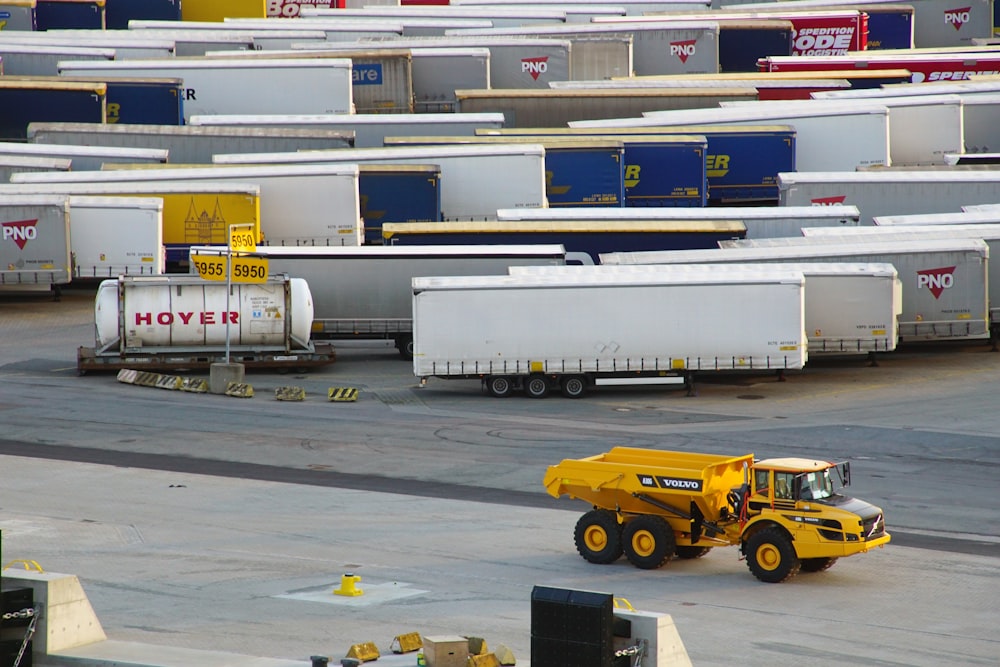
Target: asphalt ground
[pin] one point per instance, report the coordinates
(215, 523)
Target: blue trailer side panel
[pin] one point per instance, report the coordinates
(145, 102)
(119, 12)
(70, 14)
(741, 46)
(398, 196)
(584, 176)
(581, 247)
(890, 27)
(20, 106)
(665, 174)
(744, 167)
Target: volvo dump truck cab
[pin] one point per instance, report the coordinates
(785, 514)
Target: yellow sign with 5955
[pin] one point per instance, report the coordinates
(245, 269)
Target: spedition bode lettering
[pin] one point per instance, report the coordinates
(824, 41)
(205, 317)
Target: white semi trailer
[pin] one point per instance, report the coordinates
(944, 281)
(364, 292)
(570, 334)
(851, 308)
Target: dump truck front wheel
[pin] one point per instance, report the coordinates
(648, 541)
(771, 556)
(598, 537)
(817, 564)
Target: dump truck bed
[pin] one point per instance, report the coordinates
(624, 478)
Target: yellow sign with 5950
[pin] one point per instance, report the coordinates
(245, 269)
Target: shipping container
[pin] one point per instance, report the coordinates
(364, 293)
(314, 204)
(760, 221)
(398, 193)
(18, 15)
(17, 163)
(680, 47)
(850, 308)
(930, 311)
(70, 14)
(470, 188)
(555, 107)
(218, 86)
(890, 24)
(878, 193)
(112, 236)
(27, 101)
(584, 240)
(193, 212)
(369, 130)
(742, 163)
(538, 332)
(844, 136)
(188, 144)
(34, 243)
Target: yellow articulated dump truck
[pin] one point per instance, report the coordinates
(785, 514)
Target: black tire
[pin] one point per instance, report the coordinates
(648, 542)
(573, 386)
(404, 344)
(691, 552)
(598, 537)
(500, 386)
(817, 564)
(771, 556)
(536, 386)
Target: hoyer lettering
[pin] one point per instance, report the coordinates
(166, 319)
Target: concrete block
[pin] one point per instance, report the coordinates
(664, 647)
(68, 620)
(221, 375)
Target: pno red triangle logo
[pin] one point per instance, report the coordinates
(20, 231)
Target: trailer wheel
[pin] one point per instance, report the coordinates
(404, 345)
(499, 386)
(691, 552)
(573, 386)
(598, 537)
(771, 557)
(537, 386)
(648, 541)
(817, 564)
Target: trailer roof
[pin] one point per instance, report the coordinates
(140, 187)
(888, 176)
(346, 119)
(390, 252)
(248, 171)
(677, 213)
(342, 155)
(564, 226)
(557, 281)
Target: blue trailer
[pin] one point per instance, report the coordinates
(890, 26)
(142, 101)
(70, 14)
(742, 42)
(577, 173)
(398, 193)
(119, 12)
(584, 240)
(24, 101)
(742, 162)
(18, 15)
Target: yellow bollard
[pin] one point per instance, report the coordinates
(348, 585)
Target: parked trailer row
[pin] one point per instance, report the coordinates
(364, 293)
(584, 240)
(944, 281)
(850, 308)
(570, 333)
(182, 322)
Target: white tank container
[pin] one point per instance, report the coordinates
(181, 312)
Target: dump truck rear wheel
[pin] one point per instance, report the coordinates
(573, 386)
(771, 556)
(537, 386)
(598, 537)
(817, 564)
(691, 552)
(648, 542)
(499, 386)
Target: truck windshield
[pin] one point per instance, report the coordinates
(815, 485)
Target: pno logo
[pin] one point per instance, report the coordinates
(683, 50)
(936, 280)
(957, 17)
(829, 201)
(20, 231)
(535, 66)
